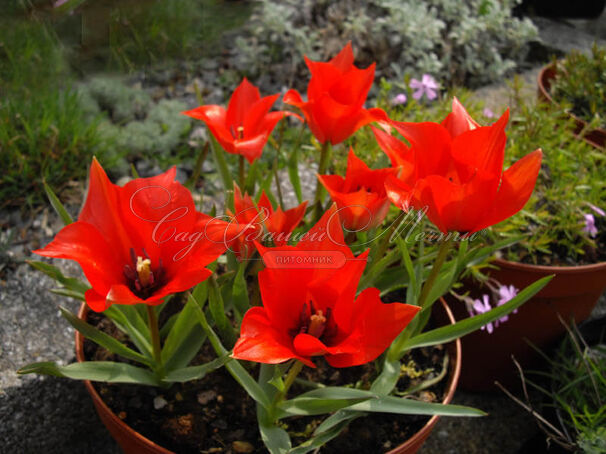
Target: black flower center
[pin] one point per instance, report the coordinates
(142, 280)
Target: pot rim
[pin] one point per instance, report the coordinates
(418, 437)
(549, 269)
(423, 433)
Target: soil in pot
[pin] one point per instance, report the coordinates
(215, 415)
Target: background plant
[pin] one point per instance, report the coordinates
(580, 84)
(468, 42)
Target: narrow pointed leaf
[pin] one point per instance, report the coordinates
(398, 405)
(196, 372)
(106, 371)
(70, 283)
(57, 205)
(102, 339)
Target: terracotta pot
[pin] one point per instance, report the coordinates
(595, 137)
(132, 442)
(572, 293)
(414, 443)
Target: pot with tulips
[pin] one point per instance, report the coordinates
(280, 316)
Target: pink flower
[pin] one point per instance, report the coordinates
(482, 306)
(598, 210)
(399, 99)
(505, 294)
(426, 86)
(590, 227)
(488, 113)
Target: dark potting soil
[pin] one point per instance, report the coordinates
(215, 415)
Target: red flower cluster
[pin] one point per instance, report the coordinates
(454, 170)
(313, 310)
(141, 242)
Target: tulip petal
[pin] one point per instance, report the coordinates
(516, 188)
(458, 121)
(84, 243)
(375, 326)
(260, 341)
(244, 96)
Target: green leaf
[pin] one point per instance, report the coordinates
(70, 283)
(102, 339)
(413, 290)
(321, 438)
(179, 336)
(339, 419)
(293, 173)
(308, 406)
(402, 406)
(275, 438)
(106, 371)
(448, 333)
(68, 293)
(240, 291)
(196, 372)
(127, 320)
(217, 310)
(57, 205)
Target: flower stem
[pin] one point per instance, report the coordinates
(294, 370)
(324, 155)
(241, 178)
(384, 244)
(155, 337)
(435, 270)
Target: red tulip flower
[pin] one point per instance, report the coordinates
(246, 124)
(312, 310)
(454, 170)
(279, 224)
(360, 196)
(141, 242)
(336, 95)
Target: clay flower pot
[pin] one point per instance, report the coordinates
(133, 442)
(594, 137)
(129, 440)
(572, 293)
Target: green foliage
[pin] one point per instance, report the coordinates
(459, 42)
(572, 176)
(44, 139)
(581, 83)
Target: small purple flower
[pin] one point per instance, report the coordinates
(399, 99)
(426, 86)
(506, 293)
(598, 210)
(590, 227)
(482, 306)
(488, 113)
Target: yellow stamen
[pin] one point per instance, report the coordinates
(317, 323)
(240, 131)
(144, 271)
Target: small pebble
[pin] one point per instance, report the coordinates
(206, 396)
(159, 402)
(242, 447)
